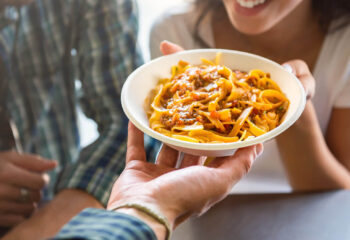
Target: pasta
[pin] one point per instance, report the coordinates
(210, 103)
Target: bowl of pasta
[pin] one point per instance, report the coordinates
(210, 102)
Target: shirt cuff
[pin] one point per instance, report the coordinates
(101, 224)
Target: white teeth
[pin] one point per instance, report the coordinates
(250, 3)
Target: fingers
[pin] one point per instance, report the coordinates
(136, 149)
(23, 178)
(24, 209)
(167, 48)
(10, 220)
(32, 162)
(300, 69)
(11, 193)
(240, 163)
(259, 149)
(167, 156)
(190, 160)
(13, 213)
(18, 172)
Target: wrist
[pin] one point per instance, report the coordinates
(158, 228)
(306, 118)
(151, 203)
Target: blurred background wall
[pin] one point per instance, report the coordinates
(149, 11)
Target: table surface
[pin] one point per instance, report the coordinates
(308, 216)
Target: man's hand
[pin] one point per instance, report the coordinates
(178, 193)
(21, 173)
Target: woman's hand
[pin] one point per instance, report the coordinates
(22, 176)
(168, 48)
(300, 69)
(178, 193)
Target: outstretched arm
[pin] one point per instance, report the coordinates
(174, 193)
(313, 161)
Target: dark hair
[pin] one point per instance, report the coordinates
(330, 11)
(327, 11)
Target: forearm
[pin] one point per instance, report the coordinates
(49, 220)
(309, 163)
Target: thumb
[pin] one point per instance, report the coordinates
(168, 48)
(135, 146)
(33, 163)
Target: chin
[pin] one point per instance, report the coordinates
(259, 16)
(252, 28)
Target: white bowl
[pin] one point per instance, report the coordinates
(145, 78)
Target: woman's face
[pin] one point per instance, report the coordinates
(258, 16)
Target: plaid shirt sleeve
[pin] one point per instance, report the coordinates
(107, 54)
(101, 224)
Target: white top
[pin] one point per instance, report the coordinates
(332, 74)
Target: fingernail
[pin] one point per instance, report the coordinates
(165, 42)
(288, 68)
(259, 149)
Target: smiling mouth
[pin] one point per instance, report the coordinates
(250, 3)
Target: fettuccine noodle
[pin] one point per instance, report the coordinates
(210, 103)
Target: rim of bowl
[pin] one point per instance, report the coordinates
(212, 146)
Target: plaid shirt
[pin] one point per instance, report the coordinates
(41, 97)
(101, 224)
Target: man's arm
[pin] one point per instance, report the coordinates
(107, 54)
(49, 220)
(159, 196)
